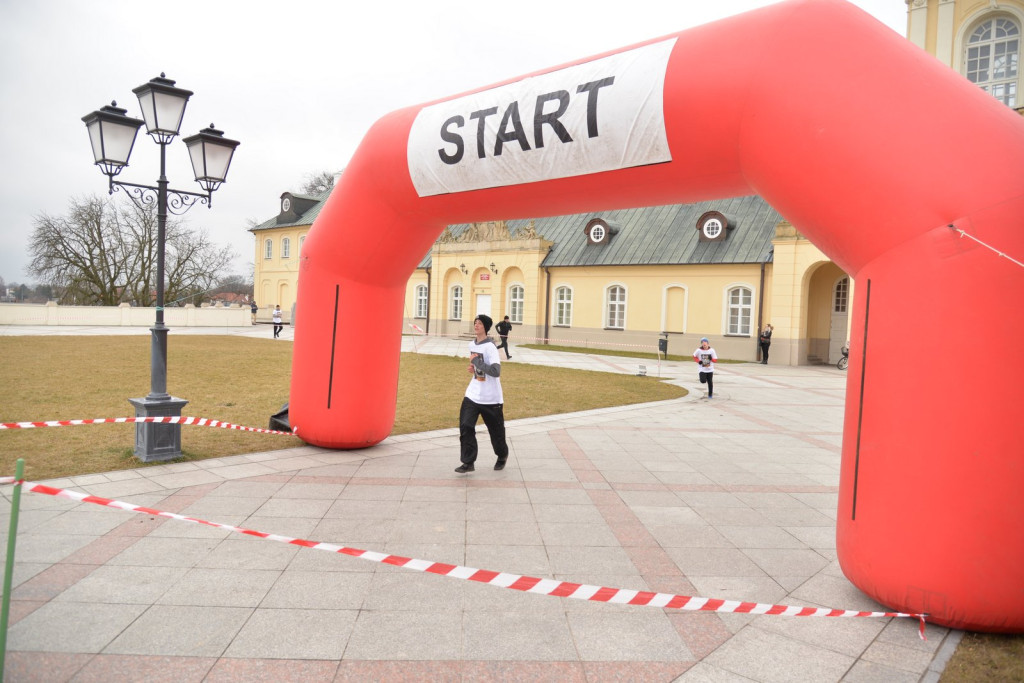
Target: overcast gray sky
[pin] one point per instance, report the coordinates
(298, 83)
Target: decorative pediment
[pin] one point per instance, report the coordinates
(489, 231)
(528, 233)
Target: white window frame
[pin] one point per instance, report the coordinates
(609, 305)
(421, 301)
(268, 248)
(841, 295)
(968, 28)
(560, 320)
(286, 247)
(455, 303)
(740, 329)
(516, 304)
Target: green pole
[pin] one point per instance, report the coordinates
(12, 535)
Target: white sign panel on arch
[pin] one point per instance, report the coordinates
(602, 115)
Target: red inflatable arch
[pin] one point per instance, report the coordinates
(868, 144)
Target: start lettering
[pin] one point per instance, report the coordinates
(548, 110)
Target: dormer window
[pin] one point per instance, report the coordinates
(599, 231)
(713, 226)
(294, 206)
(289, 209)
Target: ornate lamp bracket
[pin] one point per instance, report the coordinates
(147, 196)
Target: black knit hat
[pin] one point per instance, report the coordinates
(486, 320)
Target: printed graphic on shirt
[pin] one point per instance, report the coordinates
(705, 359)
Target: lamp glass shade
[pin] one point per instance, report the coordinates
(112, 135)
(211, 154)
(163, 107)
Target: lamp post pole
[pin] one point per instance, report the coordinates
(158, 354)
(113, 135)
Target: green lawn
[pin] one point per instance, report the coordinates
(242, 381)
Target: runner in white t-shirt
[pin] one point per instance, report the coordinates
(483, 398)
(706, 359)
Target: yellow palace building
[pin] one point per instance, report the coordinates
(627, 278)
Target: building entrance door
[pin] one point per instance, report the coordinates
(838, 333)
(483, 305)
(837, 337)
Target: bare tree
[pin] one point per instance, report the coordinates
(138, 227)
(103, 254)
(82, 254)
(193, 264)
(233, 284)
(318, 182)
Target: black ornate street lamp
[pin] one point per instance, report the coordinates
(113, 135)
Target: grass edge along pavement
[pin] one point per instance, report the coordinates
(652, 356)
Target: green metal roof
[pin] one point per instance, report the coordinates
(656, 235)
(305, 219)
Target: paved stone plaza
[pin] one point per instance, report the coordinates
(733, 497)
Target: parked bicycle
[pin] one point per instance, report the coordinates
(845, 360)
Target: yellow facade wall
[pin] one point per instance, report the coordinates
(682, 302)
(276, 279)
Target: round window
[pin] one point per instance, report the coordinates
(597, 233)
(712, 228)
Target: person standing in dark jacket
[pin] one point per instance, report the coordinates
(766, 341)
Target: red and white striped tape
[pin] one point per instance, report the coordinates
(170, 419)
(527, 584)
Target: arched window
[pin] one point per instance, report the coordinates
(740, 307)
(301, 240)
(456, 303)
(515, 303)
(991, 57)
(615, 307)
(286, 247)
(421, 301)
(563, 307)
(268, 249)
(841, 297)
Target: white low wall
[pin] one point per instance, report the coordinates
(123, 315)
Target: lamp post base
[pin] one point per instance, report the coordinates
(156, 442)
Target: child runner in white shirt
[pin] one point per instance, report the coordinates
(706, 359)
